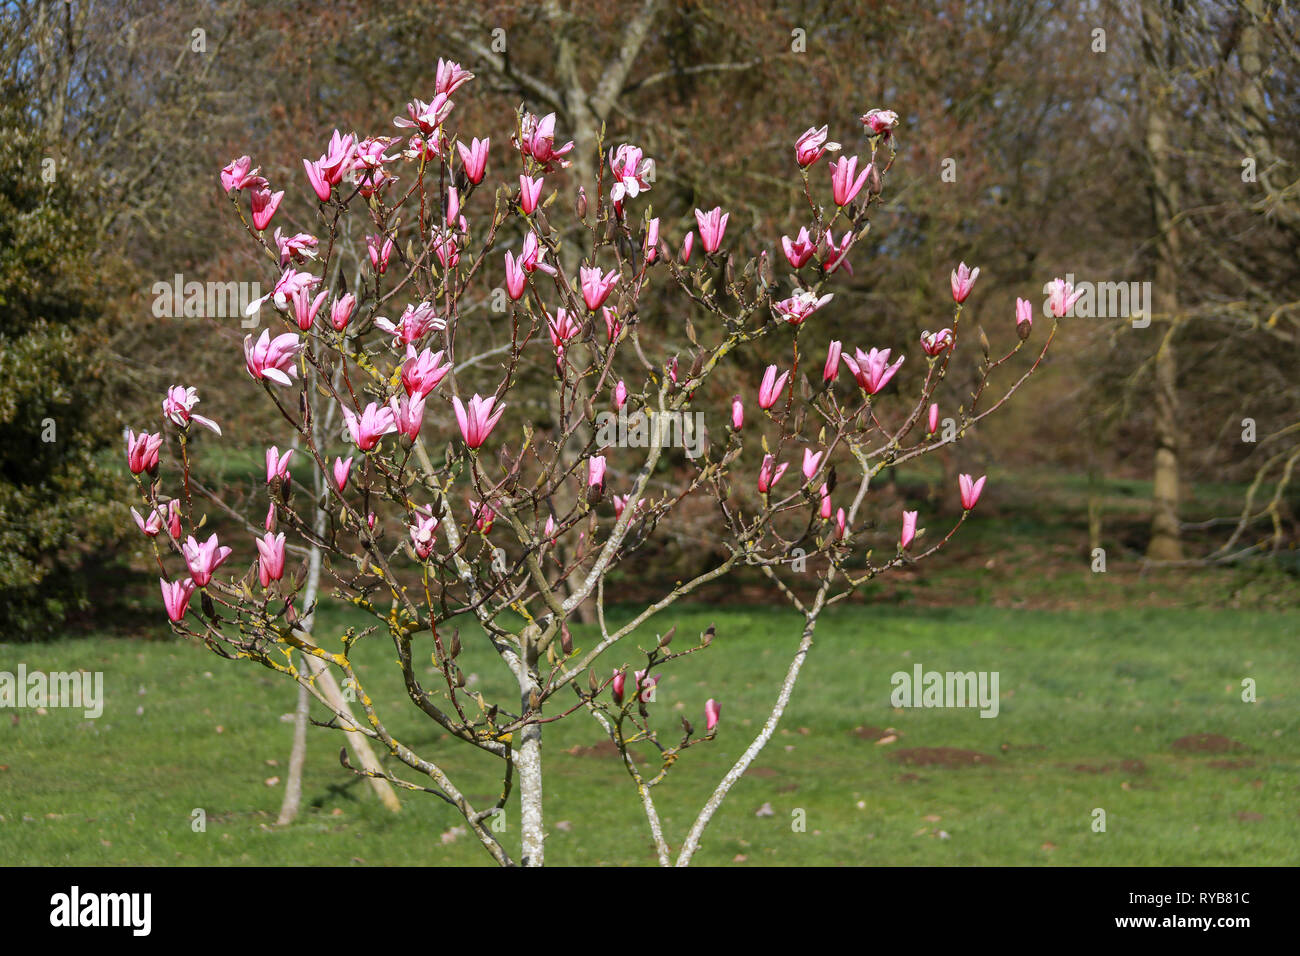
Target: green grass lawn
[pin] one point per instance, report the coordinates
(1091, 706)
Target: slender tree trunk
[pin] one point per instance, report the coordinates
(528, 759)
(1166, 533)
(297, 757)
(1166, 528)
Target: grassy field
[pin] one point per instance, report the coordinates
(1098, 709)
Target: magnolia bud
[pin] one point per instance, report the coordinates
(581, 205)
(668, 636)
(566, 639)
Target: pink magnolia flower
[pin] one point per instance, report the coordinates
(970, 490)
(170, 515)
(450, 77)
(1061, 297)
(516, 277)
(367, 164)
(688, 243)
(340, 156)
(935, 343)
(596, 287)
(419, 148)
(371, 425)
(549, 531)
(341, 311)
(632, 172)
(290, 282)
(537, 139)
(909, 529)
(298, 247)
(562, 328)
(825, 511)
(305, 308)
(478, 419)
(270, 558)
(150, 527)
(426, 117)
(811, 145)
(934, 417)
(342, 468)
(264, 204)
(203, 559)
(380, 249)
(769, 473)
(474, 158)
(239, 175)
(737, 413)
(843, 184)
(880, 121)
(771, 388)
(713, 226)
(616, 686)
(963, 278)
(612, 324)
(483, 515)
(620, 395)
(800, 305)
(596, 471)
(811, 462)
(453, 206)
(800, 249)
(645, 686)
(421, 373)
(414, 324)
(831, 371)
(836, 254)
(446, 248)
(320, 183)
(409, 414)
(1024, 317)
(841, 524)
(533, 253)
(176, 597)
(872, 370)
(712, 712)
(530, 190)
(272, 359)
(142, 451)
(178, 404)
(651, 247)
(277, 465)
(423, 533)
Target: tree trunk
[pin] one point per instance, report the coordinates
(528, 758)
(1166, 534)
(297, 757)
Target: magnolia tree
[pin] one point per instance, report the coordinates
(514, 527)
